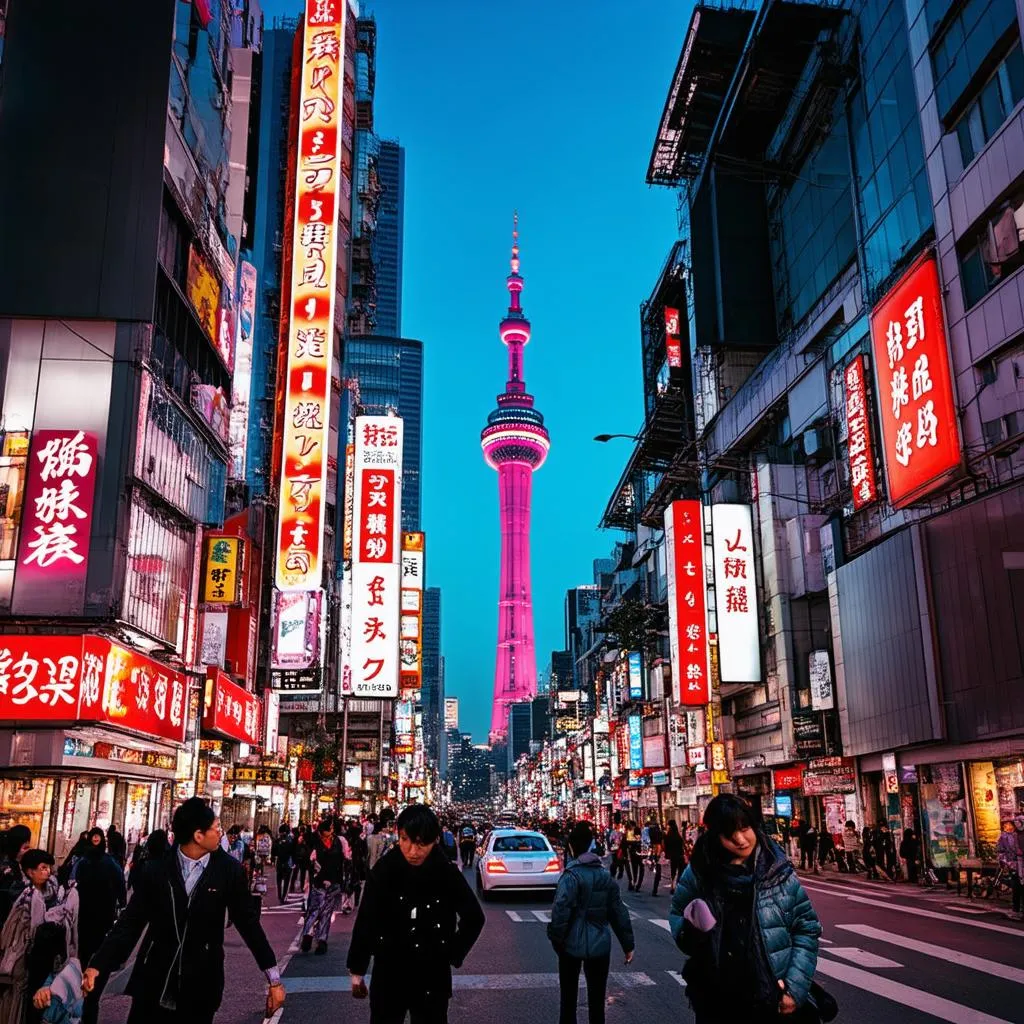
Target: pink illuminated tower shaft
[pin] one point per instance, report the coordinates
(515, 443)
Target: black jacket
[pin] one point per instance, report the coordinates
(181, 959)
(416, 924)
(101, 890)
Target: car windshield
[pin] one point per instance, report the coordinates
(520, 844)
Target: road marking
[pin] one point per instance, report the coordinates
(515, 916)
(661, 923)
(676, 976)
(862, 957)
(975, 963)
(934, 915)
(622, 979)
(542, 915)
(634, 916)
(965, 910)
(905, 995)
(824, 941)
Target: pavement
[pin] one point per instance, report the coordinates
(889, 952)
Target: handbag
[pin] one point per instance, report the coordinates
(824, 1004)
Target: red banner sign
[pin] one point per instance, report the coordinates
(230, 709)
(53, 549)
(687, 602)
(917, 406)
(789, 778)
(91, 679)
(858, 431)
(673, 345)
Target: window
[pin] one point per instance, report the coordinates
(520, 844)
(1000, 94)
(995, 250)
(965, 46)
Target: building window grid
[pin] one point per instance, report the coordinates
(995, 101)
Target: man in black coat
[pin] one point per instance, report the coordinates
(418, 919)
(180, 903)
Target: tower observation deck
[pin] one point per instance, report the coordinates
(515, 443)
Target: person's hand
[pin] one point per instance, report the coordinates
(275, 999)
(787, 1004)
(41, 1000)
(89, 980)
(359, 989)
(629, 957)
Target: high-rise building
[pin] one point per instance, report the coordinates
(520, 730)
(390, 235)
(390, 376)
(515, 443)
(431, 695)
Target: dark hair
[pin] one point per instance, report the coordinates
(194, 815)
(726, 815)
(420, 824)
(580, 838)
(325, 826)
(15, 838)
(282, 829)
(673, 827)
(156, 843)
(387, 816)
(34, 858)
(101, 846)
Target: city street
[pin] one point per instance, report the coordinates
(888, 953)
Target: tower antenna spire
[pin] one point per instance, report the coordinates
(515, 282)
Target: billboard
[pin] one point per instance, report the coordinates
(411, 643)
(913, 382)
(673, 344)
(241, 382)
(739, 648)
(304, 427)
(819, 668)
(636, 675)
(222, 569)
(203, 290)
(687, 602)
(230, 709)
(295, 629)
(53, 547)
(451, 712)
(376, 556)
(636, 742)
(860, 453)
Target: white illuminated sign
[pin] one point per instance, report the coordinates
(739, 648)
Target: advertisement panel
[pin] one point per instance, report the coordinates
(241, 382)
(914, 385)
(673, 344)
(860, 452)
(820, 673)
(739, 648)
(222, 569)
(451, 712)
(39, 678)
(788, 778)
(230, 710)
(53, 548)
(411, 644)
(376, 554)
(203, 290)
(304, 429)
(829, 776)
(636, 675)
(295, 628)
(636, 742)
(687, 602)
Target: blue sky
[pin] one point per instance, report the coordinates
(550, 108)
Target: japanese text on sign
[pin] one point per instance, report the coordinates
(687, 602)
(858, 430)
(221, 575)
(914, 386)
(736, 594)
(673, 344)
(230, 709)
(304, 427)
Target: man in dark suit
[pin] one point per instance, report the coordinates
(180, 903)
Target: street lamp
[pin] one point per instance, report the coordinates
(605, 438)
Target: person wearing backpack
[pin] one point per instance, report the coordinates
(451, 850)
(588, 907)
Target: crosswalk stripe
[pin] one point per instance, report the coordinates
(661, 923)
(676, 976)
(542, 915)
(515, 916)
(634, 915)
(915, 998)
(341, 983)
(975, 963)
(917, 911)
(965, 910)
(862, 957)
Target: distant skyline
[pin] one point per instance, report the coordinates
(550, 109)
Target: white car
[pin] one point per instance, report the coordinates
(517, 860)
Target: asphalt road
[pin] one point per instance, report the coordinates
(889, 953)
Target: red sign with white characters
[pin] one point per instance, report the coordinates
(917, 406)
(53, 549)
(687, 602)
(673, 345)
(39, 678)
(789, 778)
(91, 679)
(230, 709)
(858, 431)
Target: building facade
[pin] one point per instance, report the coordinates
(390, 238)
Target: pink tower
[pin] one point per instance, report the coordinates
(515, 443)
